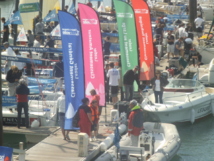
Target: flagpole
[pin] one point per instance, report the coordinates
(15, 25)
(1, 123)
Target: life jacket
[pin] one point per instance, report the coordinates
(94, 113)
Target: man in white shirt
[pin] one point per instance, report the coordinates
(181, 31)
(114, 76)
(9, 52)
(61, 113)
(199, 24)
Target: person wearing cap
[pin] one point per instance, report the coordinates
(128, 81)
(133, 131)
(22, 92)
(9, 52)
(158, 83)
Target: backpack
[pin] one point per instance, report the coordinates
(138, 119)
(76, 119)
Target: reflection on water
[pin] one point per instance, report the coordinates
(197, 140)
(12, 140)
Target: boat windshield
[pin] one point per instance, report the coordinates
(182, 83)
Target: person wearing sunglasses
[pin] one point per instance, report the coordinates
(158, 83)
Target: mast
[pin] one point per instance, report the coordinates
(1, 123)
(40, 5)
(192, 12)
(63, 4)
(15, 25)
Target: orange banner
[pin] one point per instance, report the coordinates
(145, 40)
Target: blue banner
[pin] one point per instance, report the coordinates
(51, 16)
(178, 16)
(14, 19)
(35, 81)
(21, 59)
(6, 153)
(73, 63)
(41, 50)
(9, 101)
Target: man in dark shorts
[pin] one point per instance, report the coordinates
(128, 81)
(114, 77)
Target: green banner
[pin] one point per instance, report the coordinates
(127, 35)
(29, 7)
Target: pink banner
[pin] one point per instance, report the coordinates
(92, 52)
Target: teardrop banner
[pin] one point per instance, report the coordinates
(145, 41)
(73, 65)
(92, 52)
(127, 35)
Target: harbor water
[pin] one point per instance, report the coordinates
(13, 140)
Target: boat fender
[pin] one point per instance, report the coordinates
(35, 123)
(212, 107)
(192, 116)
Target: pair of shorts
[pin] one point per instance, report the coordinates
(114, 91)
(170, 48)
(61, 120)
(94, 127)
(59, 82)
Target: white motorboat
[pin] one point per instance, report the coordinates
(207, 53)
(183, 100)
(159, 140)
(41, 108)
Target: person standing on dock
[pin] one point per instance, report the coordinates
(9, 51)
(61, 108)
(114, 77)
(22, 92)
(128, 81)
(95, 118)
(85, 118)
(199, 24)
(13, 76)
(170, 44)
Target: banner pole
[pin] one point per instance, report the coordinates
(1, 120)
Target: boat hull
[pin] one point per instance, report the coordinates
(185, 112)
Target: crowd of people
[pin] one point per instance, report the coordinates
(179, 42)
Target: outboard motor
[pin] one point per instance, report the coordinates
(146, 140)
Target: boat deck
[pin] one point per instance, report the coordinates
(55, 148)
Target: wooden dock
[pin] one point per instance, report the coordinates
(55, 148)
